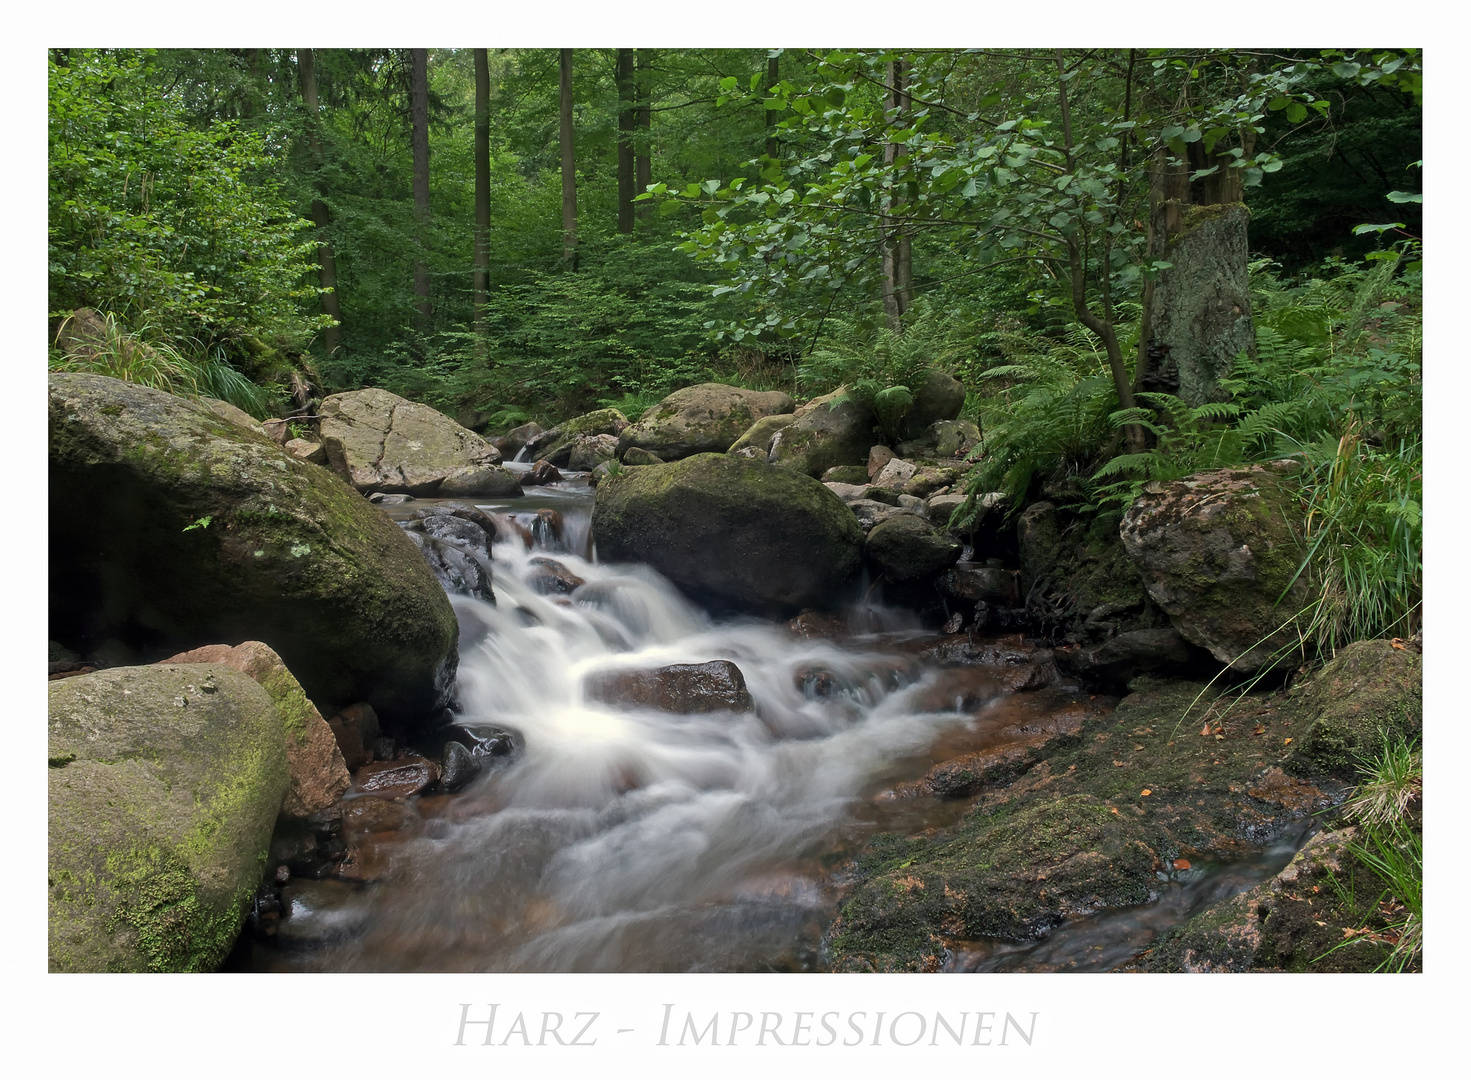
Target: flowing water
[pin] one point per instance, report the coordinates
(623, 839)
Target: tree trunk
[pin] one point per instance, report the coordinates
(482, 190)
(419, 122)
(896, 261)
(306, 70)
(773, 76)
(643, 172)
(627, 122)
(1200, 308)
(569, 165)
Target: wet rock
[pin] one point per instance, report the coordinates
(364, 817)
(835, 429)
(378, 498)
(385, 748)
(818, 625)
(457, 767)
(396, 779)
(733, 533)
(378, 441)
(637, 455)
(717, 686)
(355, 729)
(307, 450)
(542, 473)
(1216, 551)
(215, 533)
(1017, 749)
(756, 442)
(993, 584)
(1016, 666)
(165, 782)
(480, 481)
(451, 529)
(548, 528)
(870, 512)
(1118, 659)
(906, 548)
(325, 824)
(295, 847)
(511, 442)
(550, 577)
(458, 571)
(704, 419)
(318, 912)
(318, 773)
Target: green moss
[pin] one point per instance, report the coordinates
(175, 929)
(291, 702)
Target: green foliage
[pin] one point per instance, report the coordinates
(179, 230)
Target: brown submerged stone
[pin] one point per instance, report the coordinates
(717, 686)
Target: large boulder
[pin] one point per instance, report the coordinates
(378, 441)
(755, 441)
(835, 429)
(701, 419)
(171, 528)
(937, 397)
(1370, 691)
(165, 782)
(907, 548)
(318, 774)
(1220, 552)
(730, 532)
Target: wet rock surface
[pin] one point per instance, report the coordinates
(397, 778)
(716, 686)
(905, 547)
(378, 441)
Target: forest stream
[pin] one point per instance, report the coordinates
(630, 839)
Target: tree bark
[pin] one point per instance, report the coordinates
(627, 123)
(306, 70)
(419, 139)
(569, 164)
(773, 76)
(896, 257)
(643, 172)
(482, 190)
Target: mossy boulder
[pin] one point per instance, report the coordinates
(1012, 875)
(198, 531)
(905, 547)
(701, 419)
(1219, 552)
(937, 397)
(835, 429)
(555, 444)
(165, 782)
(1370, 690)
(755, 441)
(732, 533)
(378, 441)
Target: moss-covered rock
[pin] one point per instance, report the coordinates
(731, 533)
(937, 397)
(1011, 875)
(1370, 690)
(1220, 552)
(165, 782)
(905, 547)
(555, 444)
(703, 419)
(378, 441)
(197, 531)
(756, 440)
(835, 429)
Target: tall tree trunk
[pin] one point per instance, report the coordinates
(482, 190)
(773, 76)
(627, 122)
(419, 122)
(569, 165)
(896, 260)
(643, 172)
(306, 70)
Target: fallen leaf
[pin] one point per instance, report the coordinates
(1205, 730)
(1113, 809)
(1286, 741)
(1220, 737)
(1137, 746)
(1182, 864)
(1396, 644)
(1119, 764)
(1144, 792)
(1258, 729)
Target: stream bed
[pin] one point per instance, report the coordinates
(630, 839)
